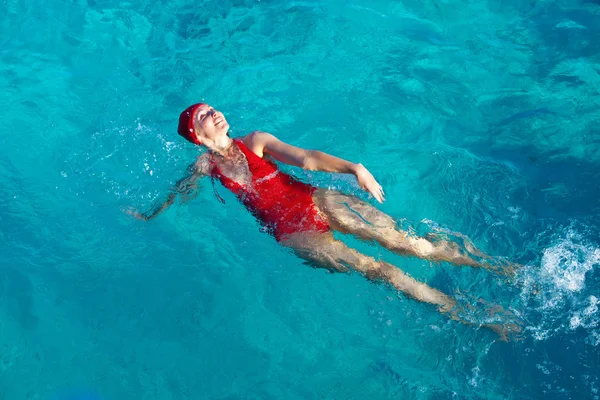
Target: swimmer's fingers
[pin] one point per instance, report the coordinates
(377, 192)
(382, 193)
(134, 213)
(368, 183)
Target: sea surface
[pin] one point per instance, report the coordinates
(478, 118)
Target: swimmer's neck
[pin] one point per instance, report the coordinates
(220, 145)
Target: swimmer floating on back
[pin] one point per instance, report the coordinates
(303, 217)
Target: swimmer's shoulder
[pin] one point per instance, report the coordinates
(202, 166)
(256, 141)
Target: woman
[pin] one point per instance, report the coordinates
(303, 217)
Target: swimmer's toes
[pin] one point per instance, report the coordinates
(499, 330)
(507, 332)
(504, 268)
(512, 269)
(515, 332)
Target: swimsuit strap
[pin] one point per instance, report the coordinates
(247, 152)
(215, 173)
(212, 179)
(259, 167)
(261, 170)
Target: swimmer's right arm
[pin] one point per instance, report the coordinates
(194, 171)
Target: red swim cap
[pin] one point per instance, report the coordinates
(186, 123)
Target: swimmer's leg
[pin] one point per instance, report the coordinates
(349, 214)
(323, 251)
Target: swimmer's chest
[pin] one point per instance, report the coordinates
(235, 168)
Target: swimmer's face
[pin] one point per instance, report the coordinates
(209, 123)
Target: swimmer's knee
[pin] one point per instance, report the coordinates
(422, 247)
(376, 271)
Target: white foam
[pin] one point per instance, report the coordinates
(474, 381)
(558, 288)
(586, 318)
(568, 24)
(593, 339)
(566, 263)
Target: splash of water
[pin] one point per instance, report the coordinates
(557, 291)
(566, 263)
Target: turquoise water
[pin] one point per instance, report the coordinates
(476, 117)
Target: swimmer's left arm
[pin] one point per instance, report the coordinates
(185, 185)
(314, 160)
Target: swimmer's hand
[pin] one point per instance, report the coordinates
(368, 183)
(135, 214)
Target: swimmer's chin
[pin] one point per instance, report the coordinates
(223, 125)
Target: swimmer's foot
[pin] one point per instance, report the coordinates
(510, 326)
(502, 267)
(509, 331)
(495, 264)
(506, 332)
(473, 311)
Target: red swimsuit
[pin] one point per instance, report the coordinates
(283, 205)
